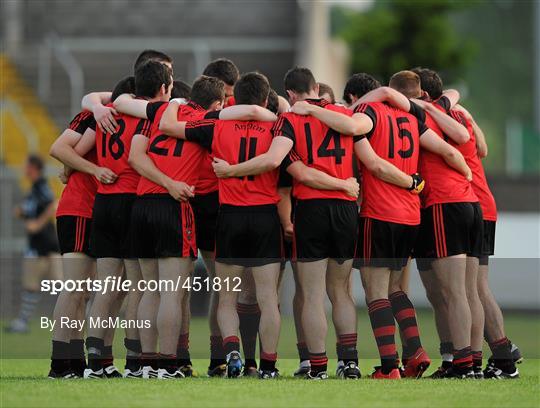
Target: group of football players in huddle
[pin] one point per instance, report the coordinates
(158, 171)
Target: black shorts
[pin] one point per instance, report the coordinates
(206, 208)
(248, 236)
(384, 244)
(111, 220)
(162, 227)
(450, 229)
(325, 228)
(73, 233)
(488, 242)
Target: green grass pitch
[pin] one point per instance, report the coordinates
(23, 381)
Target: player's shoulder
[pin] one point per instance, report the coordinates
(338, 108)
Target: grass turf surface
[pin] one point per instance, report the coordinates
(23, 381)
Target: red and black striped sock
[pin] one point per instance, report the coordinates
(303, 352)
(217, 352)
(268, 361)
(346, 347)
(182, 350)
(463, 360)
(405, 316)
(107, 357)
(477, 358)
(231, 343)
(319, 362)
(250, 317)
(502, 354)
(150, 359)
(168, 362)
(382, 323)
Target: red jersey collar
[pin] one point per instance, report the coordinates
(319, 102)
(196, 106)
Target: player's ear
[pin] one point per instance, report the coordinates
(291, 96)
(265, 103)
(316, 89)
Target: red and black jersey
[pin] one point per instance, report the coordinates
(238, 141)
(176, 158)
(78, 195)
(113, 153)
(479, 183)
(395, 137)
(318, 146)
(443, 183)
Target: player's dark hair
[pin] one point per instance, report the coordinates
(180, 89)
(324, 88)
(223, 69)
(150, 76)
(151, 55)
(430, 81)
(36, 161)
(273, 102)
(126, 85)
(206, 90)
(299, 80)
(359, 85)
(252, 89)
(406, 82)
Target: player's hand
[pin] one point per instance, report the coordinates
(301, 108)
(352, 188)
(105, 175)
(468, 176)
(288, 232)
(418, 184)
(180, 191)
(104, 117)
(221, 167)
(32, 226)
(63, 176)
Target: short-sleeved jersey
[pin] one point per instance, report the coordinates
(443, 183)
(78, 195)
(238, 141)
(479, 182)
(395, 137)
(179, 159)
(113, 153)
(319, 147)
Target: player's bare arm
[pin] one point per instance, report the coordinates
(95, 102)
(381, 168)
(358, 124)
(481, 143)
(70, 148)
(429, 140)
(247, 112)
(261, 164)
(284, 211)
(322, 181)
(452, 128)
(128, 104)
(453, 96)
(385, 94)
(144, 165)
(172, 127)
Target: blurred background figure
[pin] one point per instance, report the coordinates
(41, 259)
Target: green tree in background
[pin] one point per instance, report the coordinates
(398, 34)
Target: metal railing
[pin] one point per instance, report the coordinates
(54, 46)
(200, 47)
